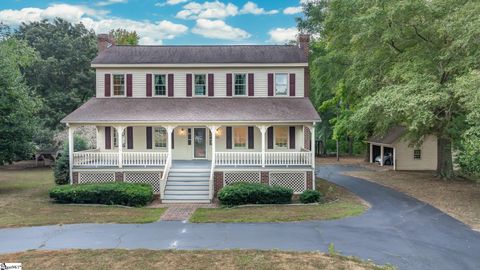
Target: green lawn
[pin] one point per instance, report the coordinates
(341, 204)
(24, 201)
(171, 259)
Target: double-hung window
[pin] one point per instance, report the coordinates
(240, 137)
(200, 84)
(160, 137)
(240, 84)
(115, 139)
(417, 154)
(281, 84)
(281, 137)
(160, 85)
(118, 84)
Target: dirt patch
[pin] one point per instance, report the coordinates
(460, 199)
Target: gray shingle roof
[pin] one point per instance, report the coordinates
(98, 110)
(390, 137)
(222, 54)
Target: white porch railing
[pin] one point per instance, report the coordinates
(288, 158)
(95, 159)
(238, 158)
(144, 158)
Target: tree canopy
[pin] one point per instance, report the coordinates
(124, 37)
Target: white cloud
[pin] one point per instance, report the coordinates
(252, 8)
(111, 2)
(218, 29)
(292, 10)
(150, 32)
(207, 10)
(283, 35)
(170, 3)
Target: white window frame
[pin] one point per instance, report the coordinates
(153, 85)
(275, 137)
(246, 138)
(275, 84)
(153, 138)
(112, 86)
(114, 138)
(206, 85)
(246, 85)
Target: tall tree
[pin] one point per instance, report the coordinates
(62, 76)
(124, 37)
(401, 63)
(17, 105)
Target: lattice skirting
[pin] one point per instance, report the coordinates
(294, 180)
(236, 177)
(96, 177)
(151, 178)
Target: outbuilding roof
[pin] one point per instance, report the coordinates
(390, 137)
(219, 54)
(178, 110)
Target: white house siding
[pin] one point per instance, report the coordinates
(220, 85)
(404, 155)
(183, 151)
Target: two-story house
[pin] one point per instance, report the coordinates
(191, 119)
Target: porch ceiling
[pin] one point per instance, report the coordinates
(183, 110)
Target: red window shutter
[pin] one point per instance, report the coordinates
(149, 85)
(170, 85)
(229, 138)
(107, 85)
(129, 137)
(149, 137)
(211, 90)
(251, 138)
(270, 138)
(129, 85)
(292, 137)
(270, 84)
(189, 85)
(292, 84)
(229, 84)
(251, 91)
(108, 138)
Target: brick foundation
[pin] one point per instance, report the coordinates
(309, 180)
(119, 177)
(217, 182)
(264, 178)
(75, 178)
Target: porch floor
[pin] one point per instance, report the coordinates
(191, 164)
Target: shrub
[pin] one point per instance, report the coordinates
(310, 196)
(108, 193)
(60, 171)
(248, 193)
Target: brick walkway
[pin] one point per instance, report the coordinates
(181, 211)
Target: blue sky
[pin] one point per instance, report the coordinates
(171, 21)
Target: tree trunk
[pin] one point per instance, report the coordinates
(350, 146)
(444, 161)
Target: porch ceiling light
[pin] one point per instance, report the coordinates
(182, 132)
(218, 132)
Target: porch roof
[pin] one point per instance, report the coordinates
(183, 110)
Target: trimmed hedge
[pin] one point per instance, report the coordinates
(250, 193)
(109, 193)
(310, 196)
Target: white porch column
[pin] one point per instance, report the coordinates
(70, 151)
(213, 131)
(371, 153)
(120, 144)
(263, 130)
(312, 146)
(394, 158)
(169, 140)
(381, 155)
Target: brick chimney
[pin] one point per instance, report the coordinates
(303, 41)
(104, 41)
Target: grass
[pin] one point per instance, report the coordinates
(340, 204)
(24, 201)
(458, 198)
(170, 259)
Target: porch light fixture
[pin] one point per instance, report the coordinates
(218, 132)
(182, 132)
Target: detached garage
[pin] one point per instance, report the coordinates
(393, 150)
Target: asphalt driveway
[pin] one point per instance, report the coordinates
(397, 229)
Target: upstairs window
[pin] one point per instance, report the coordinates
(200, 85)
(160, 85)
(240, 84)
(281, 84)
(281, 137)
(118, 84)
(160, 137)
(240, 137)
(417, 154)
(115, 138)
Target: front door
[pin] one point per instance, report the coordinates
(199, 143)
